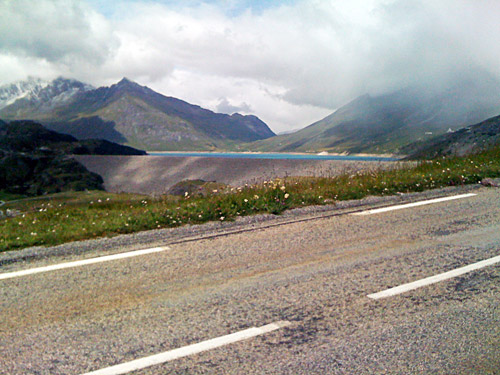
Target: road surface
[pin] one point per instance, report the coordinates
(312, 279)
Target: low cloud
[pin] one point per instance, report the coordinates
(225, 107)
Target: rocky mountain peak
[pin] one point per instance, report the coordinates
(41, 92)
(9, 93)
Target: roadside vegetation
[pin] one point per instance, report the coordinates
(70, 216)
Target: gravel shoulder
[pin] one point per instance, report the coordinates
(315, 274)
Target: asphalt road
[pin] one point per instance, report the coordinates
(314, 274)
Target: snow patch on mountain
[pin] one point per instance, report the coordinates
(21, 89)
(41, 92)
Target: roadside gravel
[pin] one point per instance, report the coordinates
(163, 237)
(315, 274)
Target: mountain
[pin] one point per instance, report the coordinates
(35, 160)
(31, 137)
(32, 164)
(18, 90)
(474, 138)
(131, 114)
(35, 96)
(385, 123)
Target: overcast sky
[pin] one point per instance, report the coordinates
(290, 62)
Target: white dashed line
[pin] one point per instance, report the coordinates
(415, 204)
(80, 263)
(434, 279)
(157, 359)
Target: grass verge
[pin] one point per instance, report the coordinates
(65, 217)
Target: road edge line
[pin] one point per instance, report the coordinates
(434, 279)
(84, 262)
(414, 204)
(188, 350)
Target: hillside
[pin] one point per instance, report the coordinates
(471, 139)
(386, 123)
(135, 115)
(35, 160)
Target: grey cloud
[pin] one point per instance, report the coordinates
(58, 31)
(225, 107)
(302, 53)
(427, 44)
(325, 53)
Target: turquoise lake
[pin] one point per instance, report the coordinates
(235, 155)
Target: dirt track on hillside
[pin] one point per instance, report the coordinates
(156, 174)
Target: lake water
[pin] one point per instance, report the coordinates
(236, 155)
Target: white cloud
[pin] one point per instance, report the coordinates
(290, 63)
(58, 31)
(225, 106)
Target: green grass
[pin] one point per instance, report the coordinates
(60, 218)
(4, 196)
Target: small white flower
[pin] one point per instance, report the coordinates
(245, 200)
(222, 218)
(287, 195)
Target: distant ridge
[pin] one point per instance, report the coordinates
(35, 160)
(131, 114)
(470, 139)
(385, 123)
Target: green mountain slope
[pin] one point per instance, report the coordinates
(35, 160)
(471, 139)
(386, 123)
(138, 116)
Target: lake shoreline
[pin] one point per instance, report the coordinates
(277, 156)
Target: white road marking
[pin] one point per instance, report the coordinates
(79, 263)
(157, 359)
(415, 204)
(434, 279)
